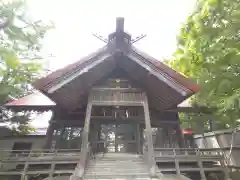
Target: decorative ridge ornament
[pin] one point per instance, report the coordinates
(119, 38)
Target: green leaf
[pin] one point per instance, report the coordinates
(209, 52)
(19, 39)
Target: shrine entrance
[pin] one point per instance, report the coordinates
(118, 138)
(116, 129)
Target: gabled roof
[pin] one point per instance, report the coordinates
(60, 74)
(33, 101)
(57, 75)
(69, 86)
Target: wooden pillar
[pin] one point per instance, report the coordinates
(141, 128)
(86, 126)
(116, 137)
(180, 136)
(151, 156)
(165, 137)
(138, 138)
(170, 136)
(49, 136)
(79, 170)
(94, 134)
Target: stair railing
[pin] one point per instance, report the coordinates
(150, 161)
(84, 157)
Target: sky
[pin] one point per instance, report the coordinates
(76, 20)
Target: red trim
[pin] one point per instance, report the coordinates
(187, 131)
(34, 99)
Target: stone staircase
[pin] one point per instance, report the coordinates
(121, 166)
(116, 166)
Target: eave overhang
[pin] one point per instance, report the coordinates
(32, 102)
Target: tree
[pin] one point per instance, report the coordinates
(20, 64)
(209, 52)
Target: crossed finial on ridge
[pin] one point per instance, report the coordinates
(120, 33)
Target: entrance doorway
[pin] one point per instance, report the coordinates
(119, 137)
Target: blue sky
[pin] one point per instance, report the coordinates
(76, 20)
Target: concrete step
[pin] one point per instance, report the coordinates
(117, 172)
(114, 154)
(58, 178)
(107, 171)
(118, 156)
(116, 176)
(174, 177)
(124, 177)
(117, 166)
(113, 162)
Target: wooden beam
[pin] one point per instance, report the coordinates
(151, 157)
(79, 170)
(49, 136)
(75, 123)
(117, 103)
(138, 138)
(104, 56)
(162, 77)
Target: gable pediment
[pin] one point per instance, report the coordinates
(70, 85)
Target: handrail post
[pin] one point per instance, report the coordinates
(53, 164)
(24, 173)
(202, 173)
(176, 162)
(224, 165)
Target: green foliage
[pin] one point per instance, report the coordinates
(20, 64)
(209, 52)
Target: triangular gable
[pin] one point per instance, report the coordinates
(63, 73)
(54, 76)
(169, 87)
(171, 72)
